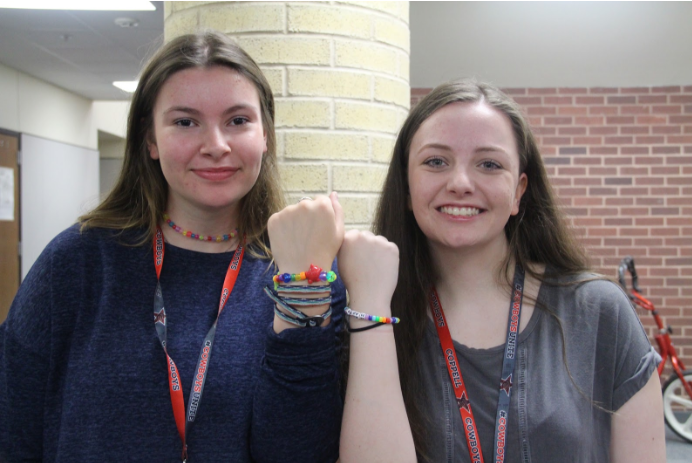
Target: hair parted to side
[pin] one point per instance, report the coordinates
(537, 234)
(138, 199)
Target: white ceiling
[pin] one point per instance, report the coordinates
(530, 44)
(80, 51)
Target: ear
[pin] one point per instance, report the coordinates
(521, 189)
(151, 146)
(264, 134)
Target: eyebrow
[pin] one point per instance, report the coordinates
(490, 149)
(196, 112)
(438, 146)
(481, 149)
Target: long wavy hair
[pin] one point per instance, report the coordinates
(139, 197)
(537, 234)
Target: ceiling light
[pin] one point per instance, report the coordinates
(106, 5)
(127, 86)
(126, 23)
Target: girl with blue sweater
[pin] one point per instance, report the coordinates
(145, 332)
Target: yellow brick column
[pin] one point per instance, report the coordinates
(340, 76)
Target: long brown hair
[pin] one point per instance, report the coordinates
(537, 234)
(138, 199)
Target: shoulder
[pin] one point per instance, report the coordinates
(591, 287)
(67, 276)
(585, 288)
(75, 238)
(75, 245)
(588, 300)
(76, 255)
(64, 248)
(67, 241)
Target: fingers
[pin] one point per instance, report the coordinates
(372, 252)
(305, 233)
(320, 204)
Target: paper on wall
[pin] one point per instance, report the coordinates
(6, 193)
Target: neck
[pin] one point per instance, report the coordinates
(201, 222)
(470, 276)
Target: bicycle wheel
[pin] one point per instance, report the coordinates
(677, 406)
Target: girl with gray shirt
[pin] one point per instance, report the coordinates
(508, 348)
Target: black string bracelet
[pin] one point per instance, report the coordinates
(365, 328)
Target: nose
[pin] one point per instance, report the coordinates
(460, 181)
(215, 143)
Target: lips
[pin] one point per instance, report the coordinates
(215, 174)
(460, 211)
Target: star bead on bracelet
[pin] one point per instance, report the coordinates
(313, 275)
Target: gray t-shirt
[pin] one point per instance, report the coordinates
(609, 358)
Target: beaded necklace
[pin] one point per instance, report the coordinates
(196, 236)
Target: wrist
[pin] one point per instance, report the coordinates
(371, 306)
(300, 306)
(298, 265)
(357, 321)
(281, 324)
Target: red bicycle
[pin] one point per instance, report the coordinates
(677, 390)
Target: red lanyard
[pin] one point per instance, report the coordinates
(453, 367)
(184, 420)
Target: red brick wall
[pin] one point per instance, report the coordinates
(620, 160)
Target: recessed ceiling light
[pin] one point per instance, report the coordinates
(126, 22)
(127, 86)
(106, 5)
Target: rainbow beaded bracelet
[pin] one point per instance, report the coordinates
(373, 318)
(313, 275)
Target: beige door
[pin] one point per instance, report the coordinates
(9, 222)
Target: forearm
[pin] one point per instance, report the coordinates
(374, 411)
(637, 433)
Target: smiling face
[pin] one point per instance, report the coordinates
(463, 176)
(209, 139)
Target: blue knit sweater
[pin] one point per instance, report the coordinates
(83, 376)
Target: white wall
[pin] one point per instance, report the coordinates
(112, 148)
(109, 172)
(35, 107)
(111, 117)
(60, 172)
(552, 44)
(32, 106)
(9, 98)
(59, 182)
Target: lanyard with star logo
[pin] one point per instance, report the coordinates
(184, 420)
(454, 369)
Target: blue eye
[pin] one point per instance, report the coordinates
(434, 162)
(490, 165)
